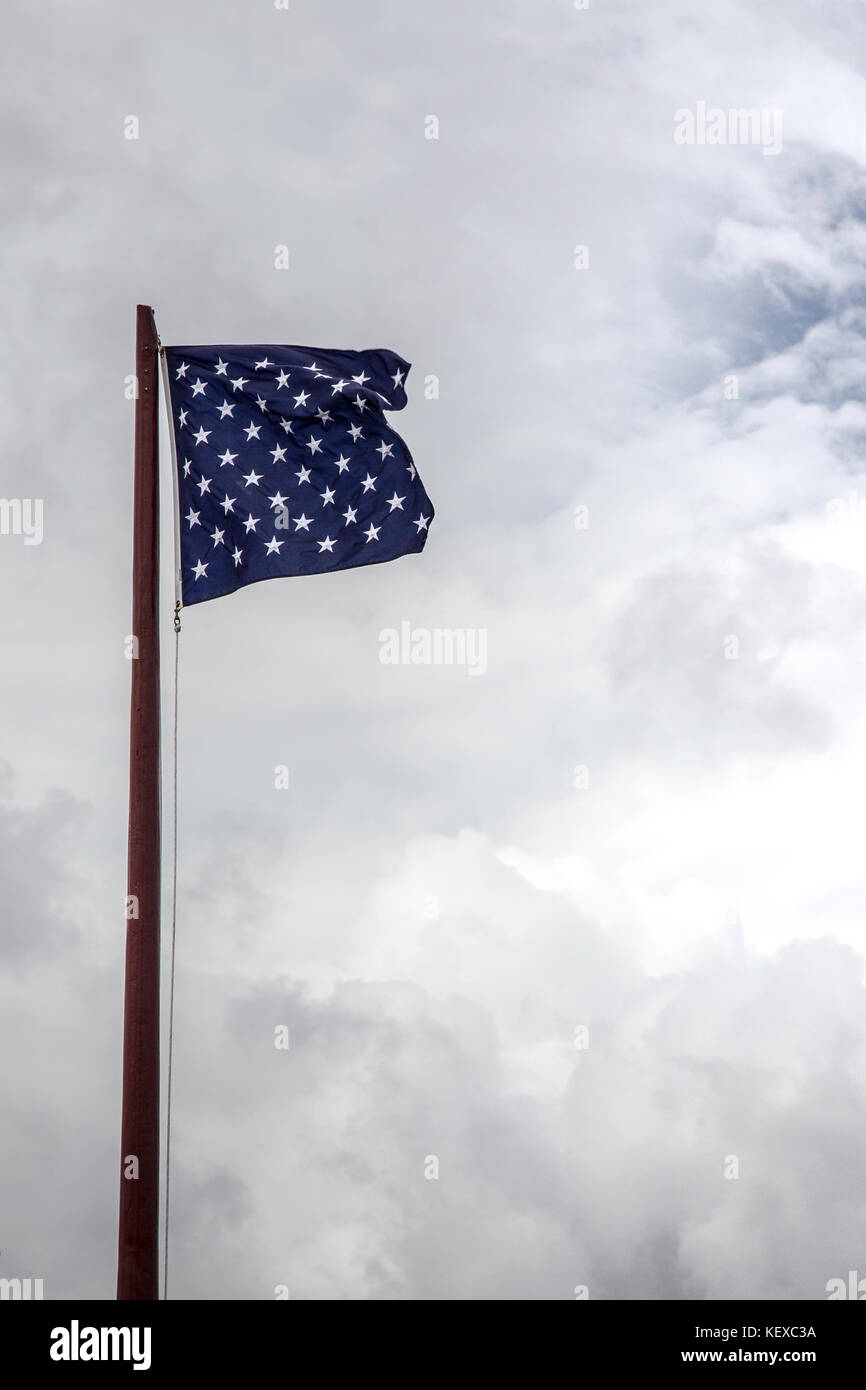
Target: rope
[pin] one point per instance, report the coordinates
(173, 937)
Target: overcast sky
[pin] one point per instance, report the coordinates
(644, 819)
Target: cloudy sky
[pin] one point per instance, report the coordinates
(585, 928)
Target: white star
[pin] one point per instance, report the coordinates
(372, 533)
(252, 431)
(193, 518)
(356, 433)
(302, 523)
(202, 435)
(181, 417)
(218, 536)
(274, 546)
(228, 503)
(411, 471)
(338, 386)
(351, 515)
(187, 465)
(314, 445)
(396, 502)
(282, 380)
(361, 403)
(361, 378)
(204, 486)
(252, 477)
(199, 570)
(181, 371)
(384, 449)
(278, 500)
(398, 377)
(421, 523)
(328, 496)
(326, 544)
(287, 426)
(342, 463)
(303, 475)
(227, 458)
(265, 362)
(198, 388)
(324, 415)
(221, 367)
(251, 523)
(313, 367)
(238, 556)
(302, 398)
(369, 484)
(261, 403)
(226, 409)
(238, 382)
(278, 454)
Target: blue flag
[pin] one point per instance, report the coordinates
(286, 464)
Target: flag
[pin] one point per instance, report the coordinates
(286, 464)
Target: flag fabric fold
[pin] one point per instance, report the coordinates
(286, 464)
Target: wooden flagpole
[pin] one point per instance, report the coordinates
(138, 1233)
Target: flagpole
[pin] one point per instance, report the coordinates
(138, 1227)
